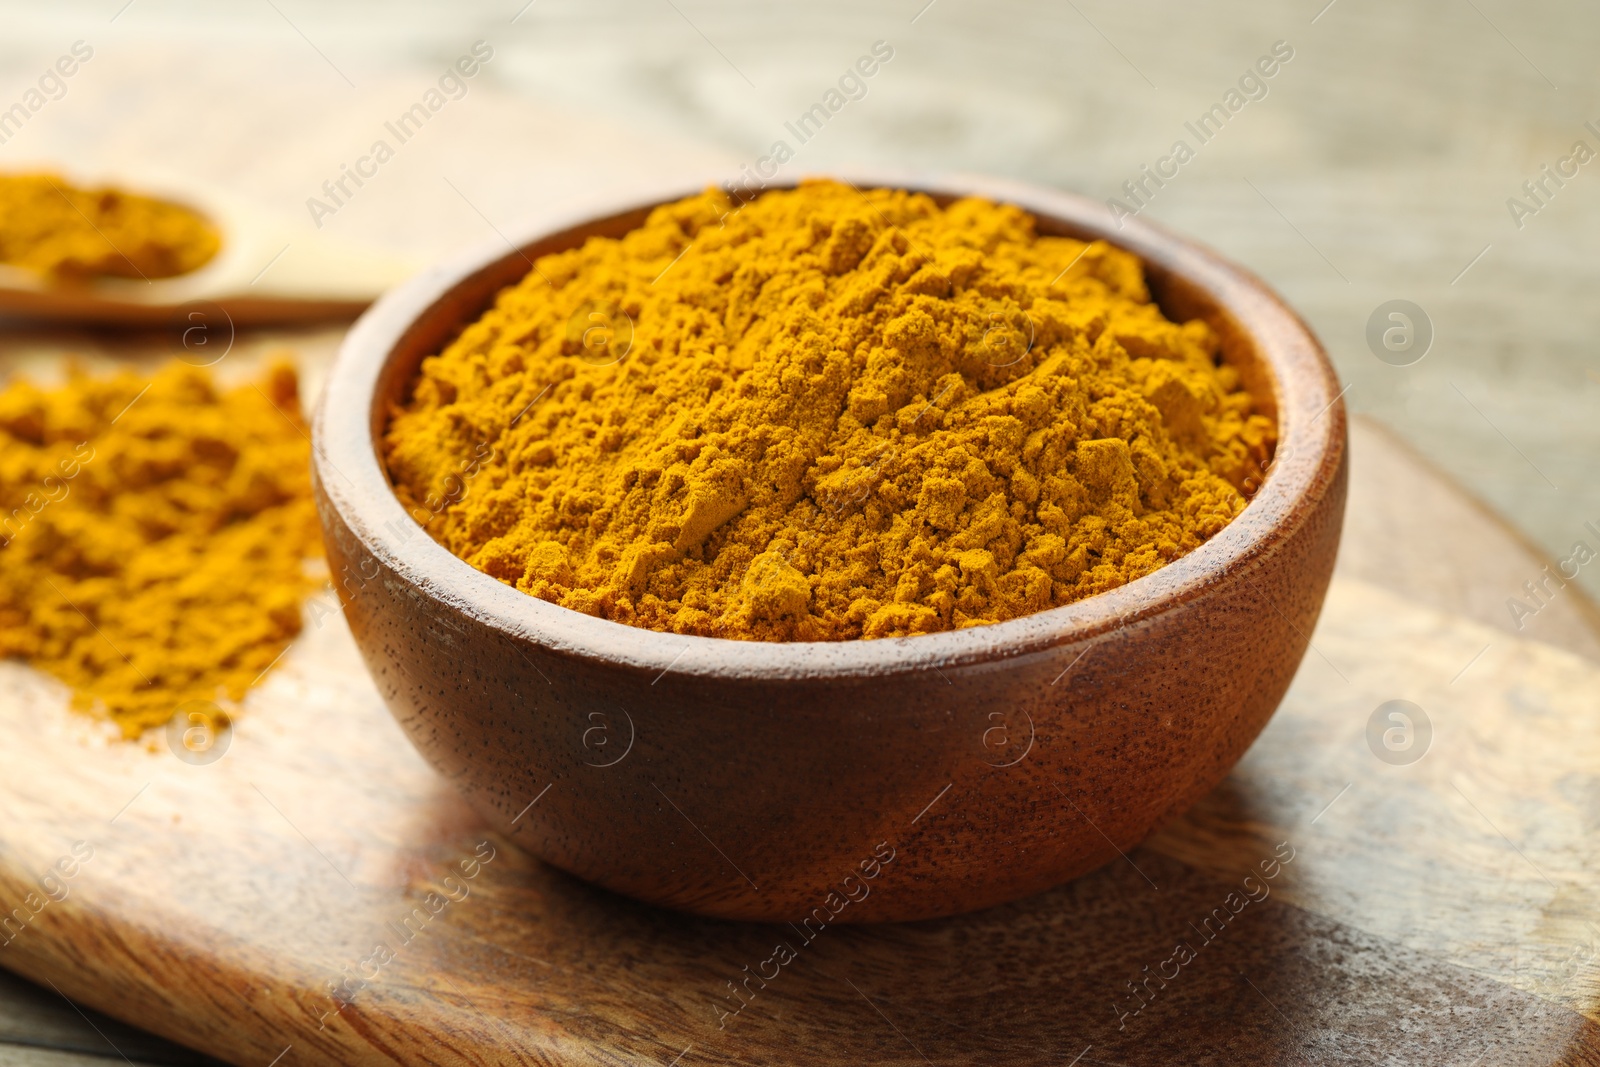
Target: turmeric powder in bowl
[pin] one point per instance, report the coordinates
(826, 414)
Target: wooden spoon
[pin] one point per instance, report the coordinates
(267, 271)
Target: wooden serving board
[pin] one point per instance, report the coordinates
(316, 894)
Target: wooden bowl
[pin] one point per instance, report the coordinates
(851, 781)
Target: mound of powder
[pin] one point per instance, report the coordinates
(826, 414)
(154, 535)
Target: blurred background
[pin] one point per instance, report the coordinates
(1377, 167)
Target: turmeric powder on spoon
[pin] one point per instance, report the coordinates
(826, 414)
(72, 234)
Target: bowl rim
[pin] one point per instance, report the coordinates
(1310, 449)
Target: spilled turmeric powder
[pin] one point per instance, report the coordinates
(71, 234)
(826, 414)
(154, 534)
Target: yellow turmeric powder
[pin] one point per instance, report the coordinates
(826, 414)
(70, 234)
(153, 535)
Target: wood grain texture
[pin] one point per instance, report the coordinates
(77, 308)
(1412, 530)
(221, 901)
(37, 1017)
(23, 1056)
